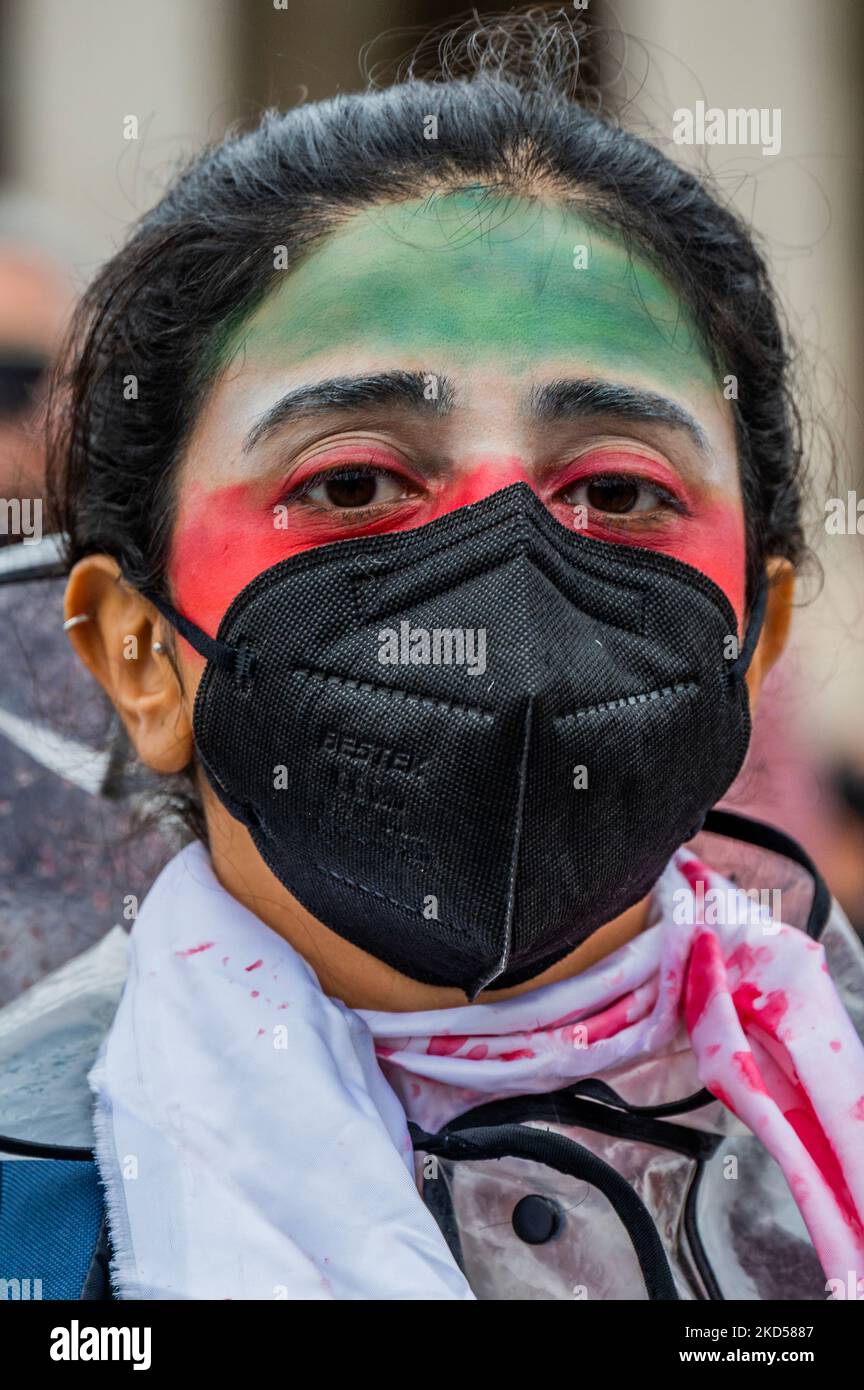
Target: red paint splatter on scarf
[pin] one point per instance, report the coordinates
(746, 1064)
(769, 1015)
(807, 1126)
(194, 950)
(745, 958)
(254, 966)
(717, 1090)
(478, 1053)
(609, 1021)
(514, 1056)
(706, 975)
(697, 874)
(443, 1046)
(558, 1022)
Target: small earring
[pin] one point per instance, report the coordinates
(76, 619)
(157, 647)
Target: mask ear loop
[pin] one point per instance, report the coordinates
(237, 660)
(754, 628)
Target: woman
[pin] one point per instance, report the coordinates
(431, 481)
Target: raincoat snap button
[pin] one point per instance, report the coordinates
(537, 1219)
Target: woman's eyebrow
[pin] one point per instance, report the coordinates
(562, 400)
(419, 390)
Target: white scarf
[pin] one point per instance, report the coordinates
(252, 1148)
(248, 1141)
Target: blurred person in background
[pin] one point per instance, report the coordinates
(36, 298)
(64, 868)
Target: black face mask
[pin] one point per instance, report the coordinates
(467, 746)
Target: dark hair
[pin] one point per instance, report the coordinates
(508, 118)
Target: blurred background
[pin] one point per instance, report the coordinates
(73, 73)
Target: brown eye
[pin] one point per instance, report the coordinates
(349, 489)
(612, 495)
(615, 496)
(343, 490)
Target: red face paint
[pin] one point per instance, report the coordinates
(707, 532)
(224, 538)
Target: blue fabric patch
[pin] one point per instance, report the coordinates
(50, 1215)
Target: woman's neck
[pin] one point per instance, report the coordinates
(357, 978)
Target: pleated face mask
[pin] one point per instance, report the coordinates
(466, 747)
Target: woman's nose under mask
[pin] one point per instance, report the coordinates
(467, 746)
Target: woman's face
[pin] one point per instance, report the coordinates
(428, 354)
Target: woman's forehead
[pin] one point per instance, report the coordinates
(476, 278)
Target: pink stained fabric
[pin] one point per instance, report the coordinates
(750, 996)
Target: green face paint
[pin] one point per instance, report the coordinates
(468, 276)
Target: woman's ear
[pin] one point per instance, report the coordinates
(114, 637)
(775, 628)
